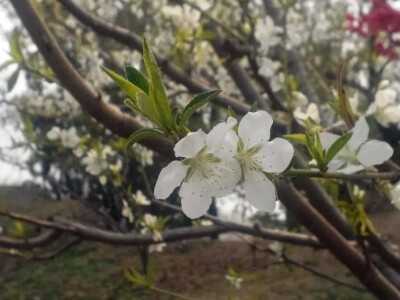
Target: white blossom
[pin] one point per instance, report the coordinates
(96, 160)
(54, 133)
(69, 138)
(235, 281)
(311, 111)
(159, 247)
(140, 198)
(359, 152)
(126, 211)
(103, 179)
(257, 155)
(208, 169)
(268, 67)
(277, 82)
(385, 108)
(395, 195)
(267, 33)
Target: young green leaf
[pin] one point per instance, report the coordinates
(12, 80)
(142, 134)
(314, 152)
(130, 89)
(198, 101)
(337, 146)
(15, 46)
(137, 78)
(157, 93)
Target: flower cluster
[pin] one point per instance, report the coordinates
(214, 163)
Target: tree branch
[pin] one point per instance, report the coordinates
(118, 122)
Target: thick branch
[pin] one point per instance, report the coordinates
(339, 247)
(118, 122)
(45, 238)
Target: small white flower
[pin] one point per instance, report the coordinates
(207, 171)
(149, 220)
(384, 108)
(140, 198)
(126, 211)
(157, 247)
(103, 179)
(235, 281)
(78, 152)
(267, 33)
(145, 156)
(310, 112)
(258, 155)
(116, 168)
(395, 195)
(277, 82)
(54, 133)
(96, 161)
(359, 152)
(69, 138)
(268, 67)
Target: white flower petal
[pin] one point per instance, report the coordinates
(275, 156)
(170, 177)
(195, 197)
(374, 152)
(360, 134)
(191, 144)
(260, 191)
(350, 169)
(229, 173)
(327, 139)
(255, 128)
(222, 138)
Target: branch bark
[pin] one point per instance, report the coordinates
(339, 247)
(118, 122)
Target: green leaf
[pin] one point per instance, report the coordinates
(142, 134)
(157, 94)
(297, 138)
(130, 89)
(337, 146)
(12, 80)
(314, 152)
(198, 101)
(6, 64)
(15, 46)
(137, 78)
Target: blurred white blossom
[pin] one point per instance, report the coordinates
(96, 160)
(385, 108)
(267, 33)
(140, 198)
(235, 281)
(395, 195)
(159, 247)
(359, 152)
(127, 211)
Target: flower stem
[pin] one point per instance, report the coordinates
(363, 175)
(162, 291)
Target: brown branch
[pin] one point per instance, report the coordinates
(321, 275)
(133, 41)
(118, 122)
(266, 233)
(43, 239)
(339, 247)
